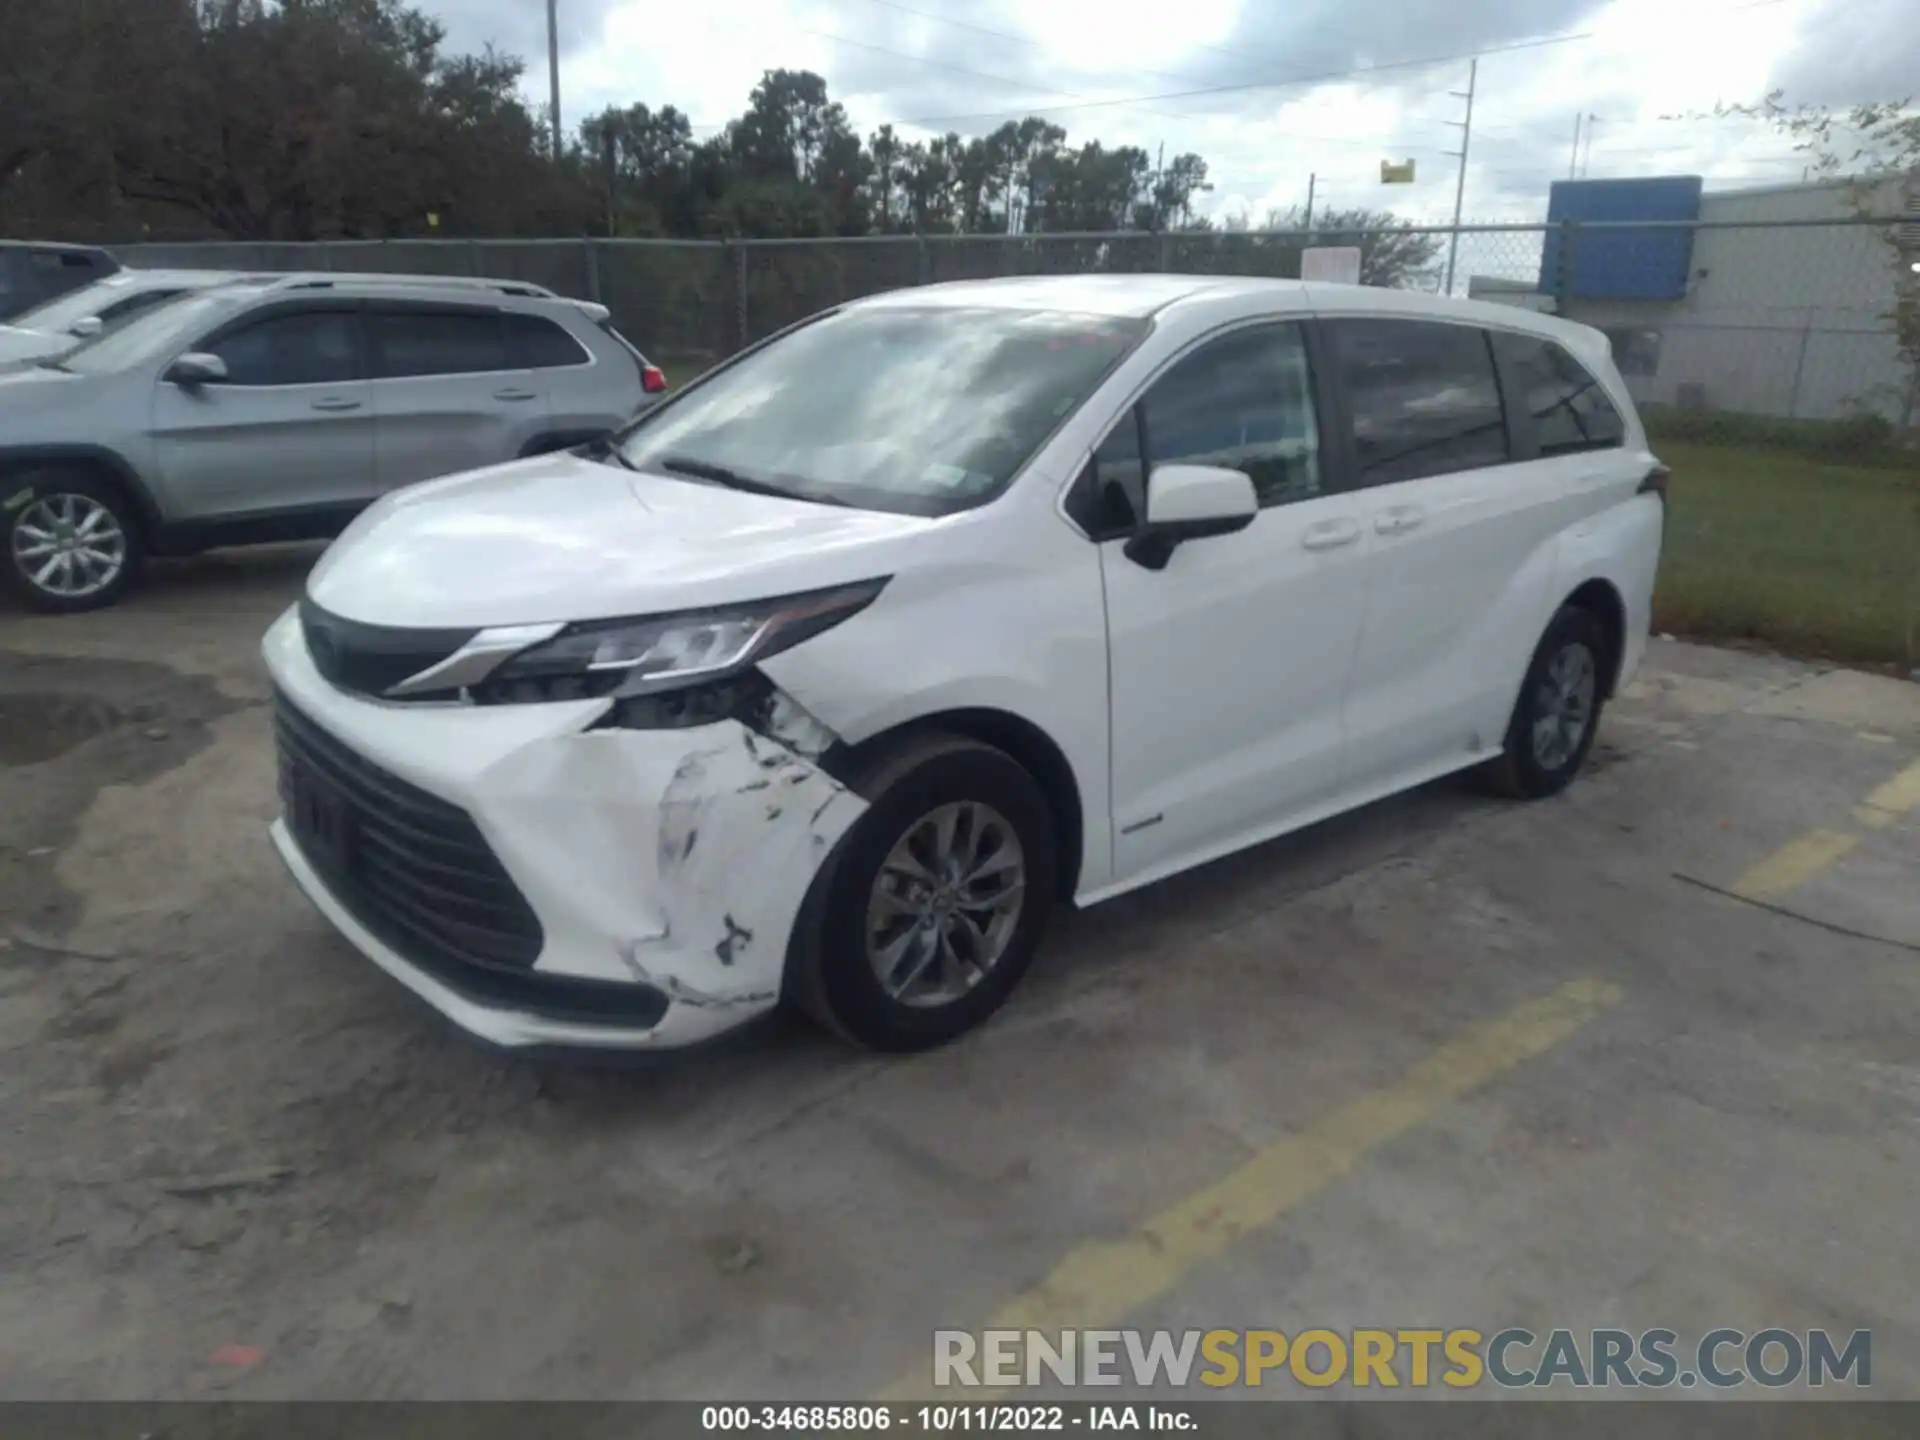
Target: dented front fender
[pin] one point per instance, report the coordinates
(677, 859)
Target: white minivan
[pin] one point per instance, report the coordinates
(830, 675)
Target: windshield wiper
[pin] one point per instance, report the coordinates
(54, 365)
(732, 479)
(605, 451)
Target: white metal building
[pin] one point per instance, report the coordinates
(1781, 317)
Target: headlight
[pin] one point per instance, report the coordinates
(634, 658)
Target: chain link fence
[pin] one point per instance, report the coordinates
(1791, 320)
(1774, 361)
(1783, 319)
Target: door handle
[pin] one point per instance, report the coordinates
(1398, 518)
(336, 402)
(515, 395)
(1330, 535)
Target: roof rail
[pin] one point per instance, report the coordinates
(525, 289)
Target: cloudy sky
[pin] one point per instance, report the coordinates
(1268, 91)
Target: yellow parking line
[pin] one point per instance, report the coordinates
(1890, 801)
(1101, 1281)
(1793, 864)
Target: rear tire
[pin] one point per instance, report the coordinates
(1557, 713)
(869, 903)
(69, 541)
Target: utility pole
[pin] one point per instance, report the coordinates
(553, 70)
(1586, 162)
(1573, 161)
(1460, 186)
(1313, 180)
(1159, 180)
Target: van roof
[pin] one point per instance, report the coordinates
(1144, 295)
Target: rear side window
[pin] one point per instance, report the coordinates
(409, 343)
(539, 344)
(1423, 397)
(306, 347)
(1244, 401)
(1570, 409)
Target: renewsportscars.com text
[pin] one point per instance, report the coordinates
(1513, 1358)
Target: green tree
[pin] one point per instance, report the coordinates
(1094, 188)
(299, 119)
(885, 148)
(973, 171)
(927, 179)
(788, 119)
(1174, 190)
(316, 119)
(641, 157)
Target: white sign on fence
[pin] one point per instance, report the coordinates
(1334, 264)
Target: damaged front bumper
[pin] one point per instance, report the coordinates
(664, 868)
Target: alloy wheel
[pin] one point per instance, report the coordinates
(1563, 706)
(945, 904)
(71, 546)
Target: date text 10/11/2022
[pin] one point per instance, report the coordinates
(942, 1419)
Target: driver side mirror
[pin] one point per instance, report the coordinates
(195, 369)
(86, 327)
(1190, 502)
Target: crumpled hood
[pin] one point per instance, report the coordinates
(560, 537)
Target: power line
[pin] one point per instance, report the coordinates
(1317, 79)
(1032, 42)
(997, 79)
(1145, 102)
(1369, 143)
(1280, 84)
(1026, 40)
(978, 74)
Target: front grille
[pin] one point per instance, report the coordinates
(371, 659)
(412, 868)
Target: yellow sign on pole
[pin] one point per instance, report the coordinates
(433, 220)
(1392, 174)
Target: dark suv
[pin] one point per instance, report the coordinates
(32, 274)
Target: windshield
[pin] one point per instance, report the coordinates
(158, 330)
(918, 411)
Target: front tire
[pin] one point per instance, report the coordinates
(933, 904)
(68, 541)
(1558, 711)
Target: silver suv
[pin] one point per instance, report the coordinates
(278, 407)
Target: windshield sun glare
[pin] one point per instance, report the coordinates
(915, 410)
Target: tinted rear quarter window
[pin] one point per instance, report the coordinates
(414, 343)
(540, 344)
(1423, 397)
(1570, 409)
